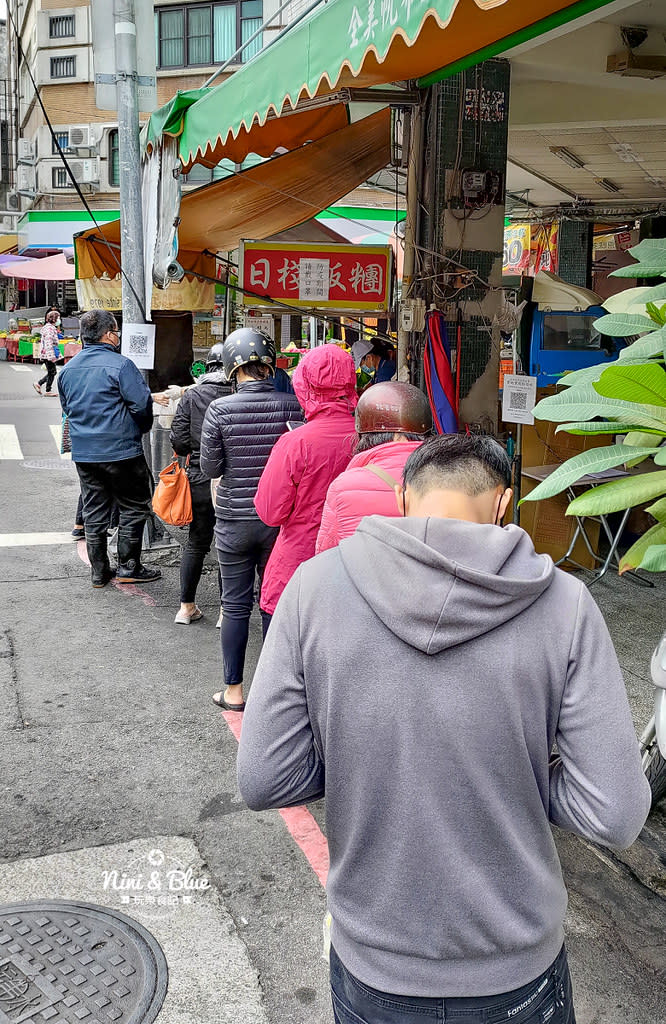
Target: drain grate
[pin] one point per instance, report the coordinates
(76, 963)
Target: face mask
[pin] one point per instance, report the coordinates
(369, 370)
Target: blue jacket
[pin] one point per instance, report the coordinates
(108, 404)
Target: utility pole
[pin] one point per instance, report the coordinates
(129, 155)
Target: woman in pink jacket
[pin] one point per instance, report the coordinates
(303, 463)
(392, 419)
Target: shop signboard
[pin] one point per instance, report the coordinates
(516, 249)
(340, 278)
(189, 294)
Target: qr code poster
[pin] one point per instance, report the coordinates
(518, 398)
(138, 344)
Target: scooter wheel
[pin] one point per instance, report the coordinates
(655, 772)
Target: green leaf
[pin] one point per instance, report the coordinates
(652, 269)
(619, 495)
(623, 325)
(651, 345)
(637, 439)
(585, 404)
(654, 559)
(655, 314)
(590, 374)
(605, 427)
(633, 558)
(649, 294)
(649, 247)
(644, 384)
(660, 457)
(658, 510)
(594, 461)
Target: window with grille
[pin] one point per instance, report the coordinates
(62, 26)
(201, 34)
(60, 178)
(114, 159)
(63, 142)
(63, 67)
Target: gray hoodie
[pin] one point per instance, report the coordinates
(419, 675)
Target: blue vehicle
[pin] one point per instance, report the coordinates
(563, 336)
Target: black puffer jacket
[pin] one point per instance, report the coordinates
(185, 433)
(237, 437)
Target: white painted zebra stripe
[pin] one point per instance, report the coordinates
(56, 430)
(28, 540)
(9, 442)
(20, 368)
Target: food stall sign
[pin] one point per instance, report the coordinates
(341, 278)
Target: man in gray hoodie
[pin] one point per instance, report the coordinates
(419, 677)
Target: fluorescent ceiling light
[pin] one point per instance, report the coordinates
(567, 156)
(609, 186)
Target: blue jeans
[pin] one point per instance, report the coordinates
(546, 1000)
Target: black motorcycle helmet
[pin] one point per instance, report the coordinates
(215, 357)
(246, 346)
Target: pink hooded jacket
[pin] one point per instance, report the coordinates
(358, 492)
(303, 463)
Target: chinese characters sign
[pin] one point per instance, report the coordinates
(344, 278)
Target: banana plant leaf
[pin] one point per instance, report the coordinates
(633, 559)
(585, 403)
(651, 345)
(623, 325)
(594, 461)
(654, 559)
(658, 510)
(605, 427)
(644, 384)
(619, 495)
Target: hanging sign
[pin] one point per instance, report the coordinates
(516, 249)
(137, 342)
(344, 278)
(518, 398)
(190, 294)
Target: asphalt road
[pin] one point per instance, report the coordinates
(107, 733)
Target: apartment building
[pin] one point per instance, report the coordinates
(53, 43)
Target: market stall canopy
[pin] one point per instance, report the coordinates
(51, 268)
(261, 201)
(8, 243)
(344, 44)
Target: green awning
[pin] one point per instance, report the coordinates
(345, 43)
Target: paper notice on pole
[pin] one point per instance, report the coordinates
(138, 344)
(313, 280)
(518, 398)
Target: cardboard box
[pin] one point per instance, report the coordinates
(546, 521)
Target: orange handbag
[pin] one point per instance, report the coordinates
(172, 500)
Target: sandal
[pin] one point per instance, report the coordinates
(184, 619)
(37, 388)
(218, 698)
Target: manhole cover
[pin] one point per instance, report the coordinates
(48, 464)
(76, 963)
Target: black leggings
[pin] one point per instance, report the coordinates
(49, 376)
(199, 540)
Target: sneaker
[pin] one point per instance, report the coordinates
(134, 572)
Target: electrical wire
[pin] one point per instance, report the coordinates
(55, 142)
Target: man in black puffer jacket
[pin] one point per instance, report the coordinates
(237, 437)
(185, 439)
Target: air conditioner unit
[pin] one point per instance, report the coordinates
(13, 201)
(80, 135)
(25, 178)
(26, 150)
(86, 172)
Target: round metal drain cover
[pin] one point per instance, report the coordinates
(76, 963)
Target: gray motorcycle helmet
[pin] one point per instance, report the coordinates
(246, 346)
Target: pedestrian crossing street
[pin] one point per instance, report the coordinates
(10, 446)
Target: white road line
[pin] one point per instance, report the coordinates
(9, 442)
(28, 540)
(20, 368)
(56, 430)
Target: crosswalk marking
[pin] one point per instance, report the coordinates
(56, 430)
(9, 442)
(20, 368)
(20, 540)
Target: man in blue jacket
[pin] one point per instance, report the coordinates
(109, 408)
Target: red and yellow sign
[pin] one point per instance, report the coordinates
(344, 278)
